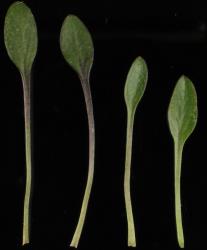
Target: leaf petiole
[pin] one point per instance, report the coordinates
(127, 174)
(178, 148)
(28, 189)
(91, 128)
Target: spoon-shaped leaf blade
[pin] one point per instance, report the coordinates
(20, 35)
(135, 83)
(76, 45)
(182, 112)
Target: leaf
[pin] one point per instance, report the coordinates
(77, 48)
(182, 112)
(76, 45)
(135, 83)
(182, 119)
(134, 89)
(20, 35)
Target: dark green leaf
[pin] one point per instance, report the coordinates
(76, 45)
(20, 34)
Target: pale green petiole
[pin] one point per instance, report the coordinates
(134, 89)
(127, 174)
(28, 188)
(178, 148)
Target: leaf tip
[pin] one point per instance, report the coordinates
(184, 78)
(140, 60)
(17, 3)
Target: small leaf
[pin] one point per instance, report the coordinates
(182, 112)
(76, 45)
(20, 34)
(135, 83)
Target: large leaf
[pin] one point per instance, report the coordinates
(135, 83)
(20, 34)
(76, 45)
(182, 112)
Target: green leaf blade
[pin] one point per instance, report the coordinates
(77, 45)
(135, 83)
(20, 36)
(183, 111)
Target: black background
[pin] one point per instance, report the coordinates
(172, 37)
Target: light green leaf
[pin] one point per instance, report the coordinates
(77, 46)
(182, 112)
(20, 35)
(135, 83)
(134, 89)
(182, 119)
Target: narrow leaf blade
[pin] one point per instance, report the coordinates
(20, 36)
(135, 83)
(76, 45)
(183, 111)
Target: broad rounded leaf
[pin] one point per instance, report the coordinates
(20, 35)
(76, 45)
(182, 112)
(135, 83)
